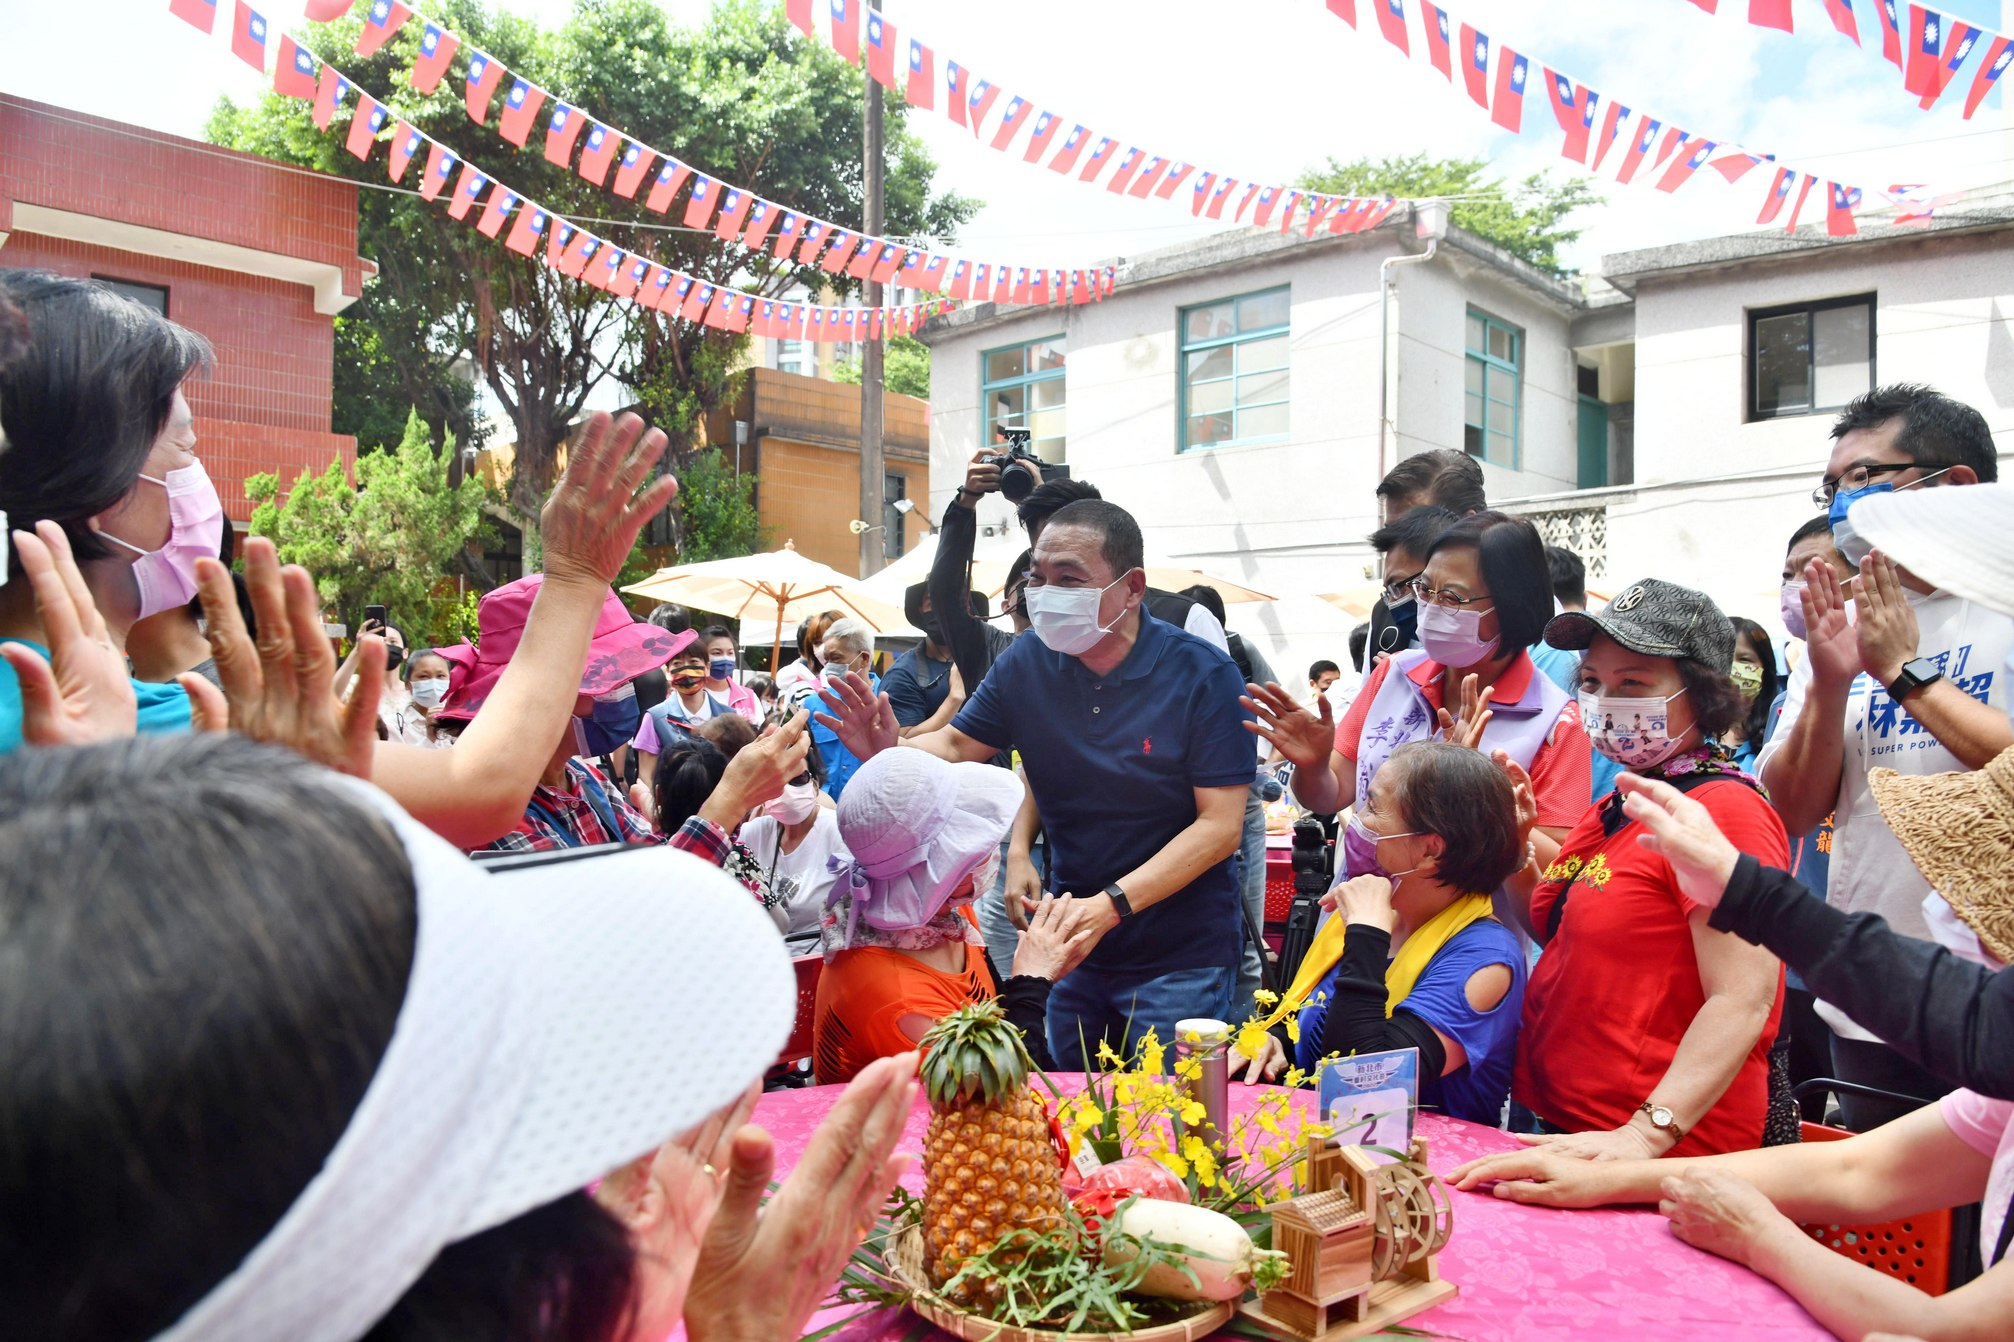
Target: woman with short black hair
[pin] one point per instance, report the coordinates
(1754, 676)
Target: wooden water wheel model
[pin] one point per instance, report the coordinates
(1412, 1217)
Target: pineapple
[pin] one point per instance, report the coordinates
(990, 1164)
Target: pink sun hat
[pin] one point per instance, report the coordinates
(620, 651)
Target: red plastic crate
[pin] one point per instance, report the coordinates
(1915, 1249)
(1279, 887)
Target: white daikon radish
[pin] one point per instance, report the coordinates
(1213, 1246)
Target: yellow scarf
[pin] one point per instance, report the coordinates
(1402, 975)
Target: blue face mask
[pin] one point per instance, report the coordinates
(1845, 539)
(612, 722)
(720, 668)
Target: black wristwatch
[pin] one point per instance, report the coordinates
(1915, 675)
(1119, 901)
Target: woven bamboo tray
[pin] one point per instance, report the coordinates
(907, 1262)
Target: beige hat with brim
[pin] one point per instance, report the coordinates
(1959, 830)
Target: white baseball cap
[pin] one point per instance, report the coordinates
(563, 1017)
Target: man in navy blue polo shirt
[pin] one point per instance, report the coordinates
(1133, 742)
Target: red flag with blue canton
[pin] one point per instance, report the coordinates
(633, 276)
(922, 87)
(1998, 56)
(885, 263)
(197, 13)
(1039, 138)
(1171, 178)
(814, 241)
(681, 290)
(294, 74)
(1697, 149)
(1392, 22)
(1127, 167)
(481, 85)
(670, 177)
(786, 235)
(1199, 195)
(1221, 197)
(880, 50)
(863, 258)
(699, 206)
(368, 120)
(846, 29)
(1926, 31)
(734, 208)
(738, 318)
(599, 154)
(437, 48)
(980, 103)
(1073, 145)
(525, 233)
(520, 112)
(381, 20)
(799, 14)
(1841, 14)
(466, 190)
(961, 280)
(842, 248)
(1101, 158)
(557, 239)
(1803, 192)
(932, 278)
(1573, 107)
(440, 166)
(1017, 112)
(761, 218)
(1736, 166)
(1779, 196)
(501, 203)
(1507, 103)
(1288, 205)
(696, 301)
(636, 161)
(248, 36)
(561, 131)
(954, 92)
(1840, 202)
(1436, 21)
(912, 268)
(1646, 133)
(1891, 32)
(1611, 129)
(1265, 210)
(406, 142)
(1149, 178)
(1962, 38)
(1476, 66)
(1770, 14)
(329, 91)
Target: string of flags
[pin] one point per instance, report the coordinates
(1594, 126)
(1929, 49)
(864, 37)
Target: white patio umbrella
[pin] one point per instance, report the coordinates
(778, 584)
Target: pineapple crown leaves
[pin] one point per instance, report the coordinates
(973, 1055)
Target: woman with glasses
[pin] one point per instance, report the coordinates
(1484, 597)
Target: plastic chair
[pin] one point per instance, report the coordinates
(1915, 1249)
(797, 1048)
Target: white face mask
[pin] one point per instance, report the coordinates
(797, 804)
(1066, 618)
(1631, 731)
(428, 691)
(1950, 931)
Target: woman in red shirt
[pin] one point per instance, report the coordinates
(1646, 1033)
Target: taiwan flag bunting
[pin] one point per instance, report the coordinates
(1963, 37)
(1673, 138)
(483, 77)
(734, 208)
(1199, 195)
(982, 283)
(1697, 150)
(1998, 56)
(1127, 167)
(815, 234)
(437, 48)
(381, 20)
(1319, 208)
(1841, 14)
(1476, 66)
(599, 154)
(294, 75)
(603, 266)
(1287, 209)
(248, 36)
(880, 50)
(466, 191)
(843, 245)
(1612, 124)
(670, 177)
(846, 29)
(557, 239)
(1796, 209)
(1221, 197)
(932, 278)
(742, 311)
(814, 323)
(1101, 158)
(520, 112)
(329, 91)
(1573, 107)
(961, 280)
(1779, 196)
(1891, 32)
(624, 272)
(440, 166)
(1019, 292)
(1507, 103)
(696, 300)
(525, 233)
(1346, 10)
(863, 259)
(327, 11)
(1926, 30)
(672, 304)
(1039, 138)
(561, 133)
(980, 103)
(406, 142)
(699, 206)
(636, 161)
(365, 125)
(954, 92)
(197, 13)
(761, 218)
(1840, 202)
(1149, 178)
(501, 203)
(921, 90)
(1080, 287)
(912, 269)
(1392, 22)
(1073, 145)
(1172, 177)
(885, 263)
(1436, 20)
(765, 319)
(1003, 283)
(1264, 213)
(799, 14)
(1017, 112)
(1770, 14)
(786, 235)
(1646, 134)
(1736, 166)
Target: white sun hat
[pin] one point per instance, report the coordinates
(563, 1017)
(917, 826)
(1954, 537)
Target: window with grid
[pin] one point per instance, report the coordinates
(1493, 389)
(1021, 386)
(1234, 371)
(794, 356)
(1809, 359)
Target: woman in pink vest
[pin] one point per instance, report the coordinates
(1484, 596)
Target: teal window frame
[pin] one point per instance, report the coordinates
(1493, 370)
(1240, 336)
(1025, 382)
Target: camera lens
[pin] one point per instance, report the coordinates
(1018, 481)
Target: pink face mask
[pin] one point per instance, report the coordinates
(167, 576)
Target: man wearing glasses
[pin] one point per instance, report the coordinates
(1908, 683)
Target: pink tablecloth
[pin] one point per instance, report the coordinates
(1527, 1274)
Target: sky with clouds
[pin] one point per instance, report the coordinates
(1259, 89)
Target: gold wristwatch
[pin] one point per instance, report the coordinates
(1663, 1120)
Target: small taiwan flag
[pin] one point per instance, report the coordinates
(381, 20)
(248, 36)
(437, 48)
(294, 76)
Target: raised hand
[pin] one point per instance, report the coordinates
(1829, 638)
(1885, 630)
(1303, 736)
(1682, 832)
(82, 693)
(1363, 899)
(1467, 730)
(865, 723)
(759, 771)
(1523, 795)
(282, 689)
(590, 521)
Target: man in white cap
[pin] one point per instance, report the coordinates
(1912, 683)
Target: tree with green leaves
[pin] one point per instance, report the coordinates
(1526, 219)
(905, 369)
(390, 539)
(716, 510)
(742, 97)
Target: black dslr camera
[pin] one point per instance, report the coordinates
(1020, 469)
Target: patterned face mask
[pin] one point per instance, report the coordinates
(1632, 731)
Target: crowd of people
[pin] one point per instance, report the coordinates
(428, 994)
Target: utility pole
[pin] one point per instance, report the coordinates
(874, 540)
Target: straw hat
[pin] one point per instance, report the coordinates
(1959, 830)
